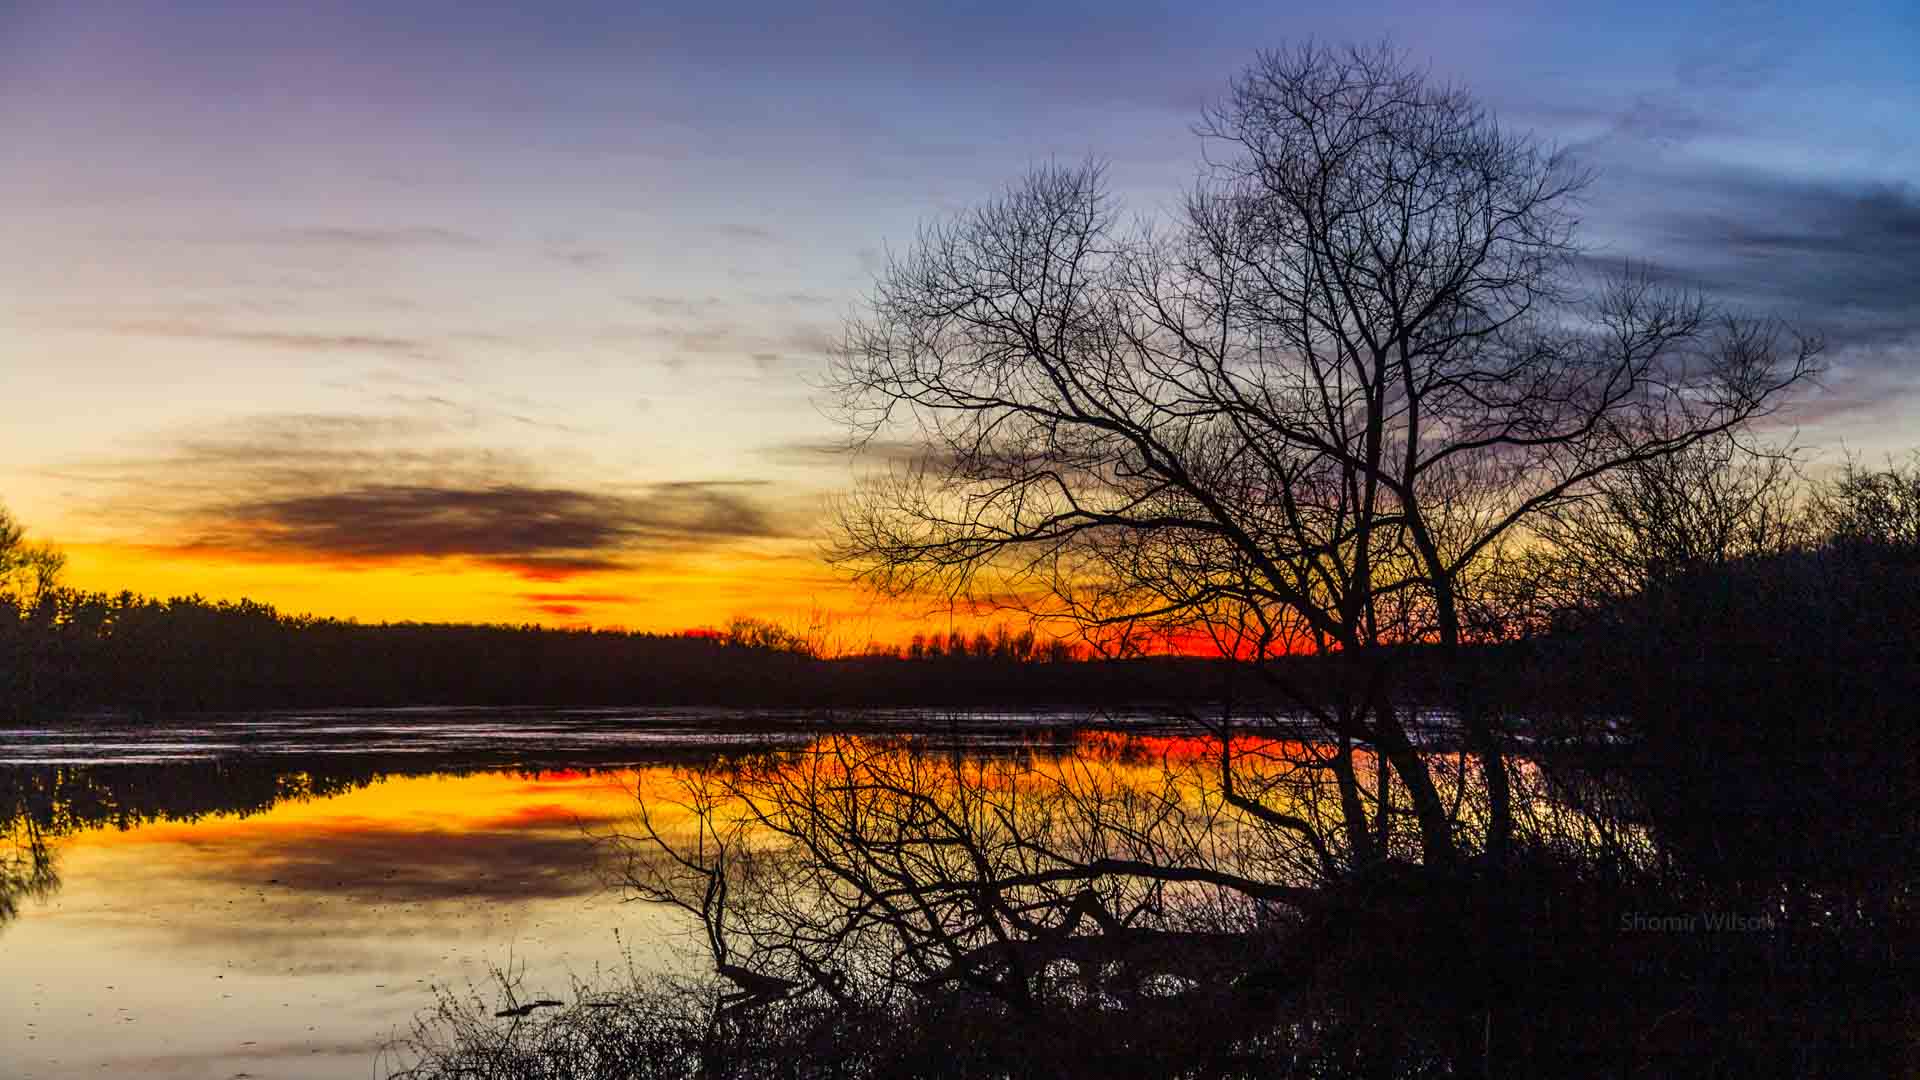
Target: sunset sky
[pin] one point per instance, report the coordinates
(457, 311)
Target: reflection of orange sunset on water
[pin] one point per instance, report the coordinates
(294, 941)
(481, 802)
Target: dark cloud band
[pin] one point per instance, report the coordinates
(555, 528)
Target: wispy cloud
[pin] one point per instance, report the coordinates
(737, 231)
(703, 336)
(568, 605)
(1846, 255)
(554, 568)
(296, 340)
(1837, 257)
(674, 305)
(580, 258)
(882, 453)
(372, 239)
(475, 415)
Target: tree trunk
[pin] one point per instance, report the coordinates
(1480, 737)
(1351, 808)
(1436, 831)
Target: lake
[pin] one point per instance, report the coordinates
(279, 895)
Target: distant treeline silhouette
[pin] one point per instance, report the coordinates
(73, 650)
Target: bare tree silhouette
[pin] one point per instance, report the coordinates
(28, 572)
(1714, 503)
(858, 868)
(1872, 506)
(1323, 409)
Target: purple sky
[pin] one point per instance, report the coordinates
(258, 253)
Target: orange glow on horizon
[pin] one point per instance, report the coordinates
(693, 594)
(690, 590)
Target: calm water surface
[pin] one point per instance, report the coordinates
(277, 896)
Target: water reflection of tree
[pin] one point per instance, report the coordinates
(41, 805)
(856, 867)
(27, 867)
(1116, 890)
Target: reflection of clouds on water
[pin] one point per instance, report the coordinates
(308, 902)
(407, 865)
